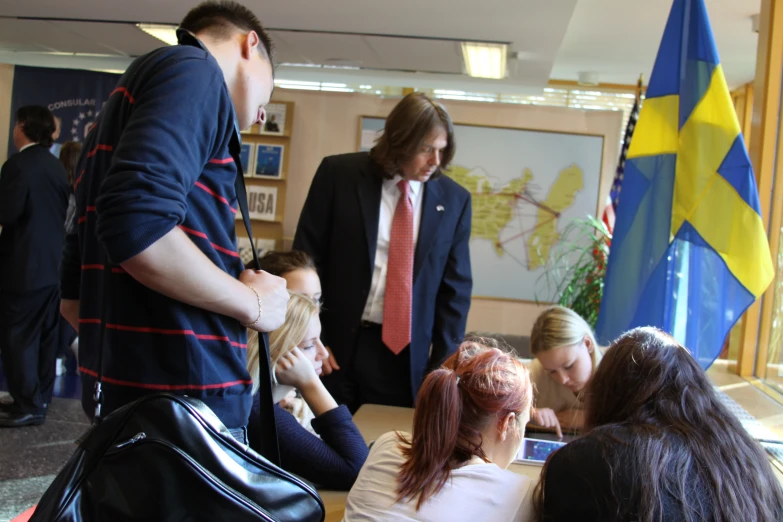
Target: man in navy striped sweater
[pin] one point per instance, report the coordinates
(156, 201)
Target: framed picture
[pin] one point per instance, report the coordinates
(269, 161)
(275, 119)
(245, 249)
(264, 246)
(262, 202)
(247, 155)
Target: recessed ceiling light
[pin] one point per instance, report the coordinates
(164, 33)
(485, 60)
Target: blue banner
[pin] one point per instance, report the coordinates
(74, 96)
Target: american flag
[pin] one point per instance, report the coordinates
(614, 195)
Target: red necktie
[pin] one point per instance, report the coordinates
(396, 332)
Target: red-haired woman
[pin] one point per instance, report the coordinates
(468, 427)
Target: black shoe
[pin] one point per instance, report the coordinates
(6, 407)
(17, 420)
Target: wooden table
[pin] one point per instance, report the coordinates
(373, 421)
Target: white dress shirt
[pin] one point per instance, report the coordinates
(390, 195)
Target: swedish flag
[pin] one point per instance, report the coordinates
(689, 252)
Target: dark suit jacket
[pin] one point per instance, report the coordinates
(338, 227)
(33, 201)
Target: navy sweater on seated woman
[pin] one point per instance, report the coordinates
(332, 462)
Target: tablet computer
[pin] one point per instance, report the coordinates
(536, 451)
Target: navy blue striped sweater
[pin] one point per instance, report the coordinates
(158, 158)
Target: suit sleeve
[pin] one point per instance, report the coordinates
(314, 229)
(170, 135)
(13, 194)
(453, 300)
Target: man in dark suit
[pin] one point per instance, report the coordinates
(389, 236)
(33, 201)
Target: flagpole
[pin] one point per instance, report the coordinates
(639, 87)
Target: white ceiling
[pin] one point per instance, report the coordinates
(619, 39)
(616, 39)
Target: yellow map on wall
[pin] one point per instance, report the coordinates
(495, 207)
(526, 187)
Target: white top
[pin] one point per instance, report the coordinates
(474, 492)
(549, 393)
(390, 195)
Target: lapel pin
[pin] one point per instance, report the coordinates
(440, 208)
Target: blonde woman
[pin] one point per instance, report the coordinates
(332, 461)
(566, 357)
(298, 270)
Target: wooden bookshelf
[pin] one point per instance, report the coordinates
(270, 229)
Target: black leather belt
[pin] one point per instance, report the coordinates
(368, 324)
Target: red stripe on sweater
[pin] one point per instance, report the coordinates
(221, 161)
(78, 180)
(150, 386)
(215, 195)
(193, 232)
(164, 331)
(125, 93)
(94, 151)
(84, 217)
(114, 269)
(204, 236)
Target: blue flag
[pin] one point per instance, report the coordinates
(689, 252)
(75, 97)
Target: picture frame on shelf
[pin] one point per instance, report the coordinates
(244, 249)
(269, 161)
(261, 203)
(264, 246)
(275, 120)
(247, 155)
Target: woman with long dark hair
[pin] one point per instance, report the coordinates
(69, 157)
(661, 446)
(468, 426)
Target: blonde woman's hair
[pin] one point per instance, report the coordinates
(301, 310)
(558, 326)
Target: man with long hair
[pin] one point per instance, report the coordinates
(33, 201)
(390, 235)
(155, 192)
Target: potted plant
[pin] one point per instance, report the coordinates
(574, 273)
